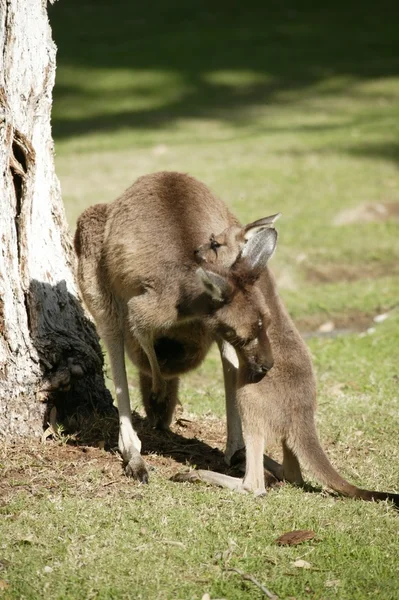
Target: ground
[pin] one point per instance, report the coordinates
(278, 108)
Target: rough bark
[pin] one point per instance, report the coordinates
(49, 350)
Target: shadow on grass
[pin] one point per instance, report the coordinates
(217, 60)
(184, 448)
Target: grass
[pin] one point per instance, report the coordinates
(278, 108)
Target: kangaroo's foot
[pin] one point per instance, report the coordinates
(136, 468)
(130, 447)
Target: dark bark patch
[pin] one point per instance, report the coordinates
(71, 357)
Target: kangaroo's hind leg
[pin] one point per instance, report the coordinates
(129, 443)
(100, 301)
(159, 410)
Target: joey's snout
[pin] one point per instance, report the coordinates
(266, 367)
(257, 371)
(198, 255)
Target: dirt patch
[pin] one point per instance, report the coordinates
(351, 321)
(368, 213)
(329, 273)
(54, 467)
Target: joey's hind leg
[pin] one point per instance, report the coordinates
(254, 480)
(291, 467)
(159, 409)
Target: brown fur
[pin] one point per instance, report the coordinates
(139, 279)
(281, 407)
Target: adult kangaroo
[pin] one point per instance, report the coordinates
(281, 407)
(140, 281)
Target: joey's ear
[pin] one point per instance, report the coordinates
(216, 287)
(210, 292)
(259, 225)
(260, 248)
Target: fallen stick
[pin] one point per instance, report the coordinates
(251, 578)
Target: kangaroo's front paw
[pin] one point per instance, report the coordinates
(136, 468)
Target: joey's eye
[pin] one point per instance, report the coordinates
(214, 243)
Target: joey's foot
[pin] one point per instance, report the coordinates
(191, 476)
(136, 468)
(238, 461)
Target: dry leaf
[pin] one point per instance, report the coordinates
(3, 584)
(295, 537)
(302, 564)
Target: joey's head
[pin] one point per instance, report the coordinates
(244, 323)
(233, 305)
(239, 255)
(227, 247)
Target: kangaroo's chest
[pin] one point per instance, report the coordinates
(179, 349)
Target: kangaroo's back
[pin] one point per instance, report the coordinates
(156, 225)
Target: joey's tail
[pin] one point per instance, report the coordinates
(307, 448)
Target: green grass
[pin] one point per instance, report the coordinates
(278, 108)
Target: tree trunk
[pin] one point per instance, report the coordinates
(49, 350)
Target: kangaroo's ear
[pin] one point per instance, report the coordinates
(259, 249)
(261, 224)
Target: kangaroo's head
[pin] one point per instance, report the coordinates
(230, 301)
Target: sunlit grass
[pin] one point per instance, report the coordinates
(277, 108)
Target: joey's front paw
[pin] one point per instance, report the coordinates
(160, 411)
(136, 468)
